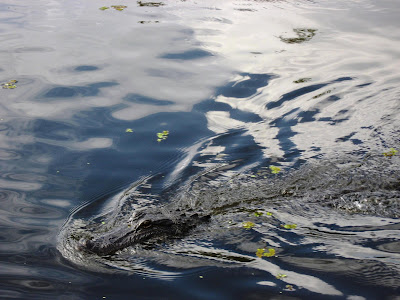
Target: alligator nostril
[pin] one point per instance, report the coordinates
(85, 245)
(89, 244)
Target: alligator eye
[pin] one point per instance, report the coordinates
(146, 223)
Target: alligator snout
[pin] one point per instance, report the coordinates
(141, 231)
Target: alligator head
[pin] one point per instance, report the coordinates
(143, 227)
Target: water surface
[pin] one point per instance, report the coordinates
(238, 84)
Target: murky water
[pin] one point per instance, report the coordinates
(240, 86)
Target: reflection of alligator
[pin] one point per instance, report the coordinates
(143, 227)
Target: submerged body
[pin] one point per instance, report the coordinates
(350, 186)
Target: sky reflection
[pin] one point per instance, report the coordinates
(231, 81)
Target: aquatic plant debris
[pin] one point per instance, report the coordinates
(162, 135)
(116, 7)
(303, 35)
(390, 153)
(261, 252)
(302, 80)
(289, 226)
(258, 213)
(129, 130)
(324, 93)
(269, 213)
(148, 22)
(248, 225)
(10, 84)
(274, 170)
(280, 276)
(119, 7)
(152, 4)
(289, 287)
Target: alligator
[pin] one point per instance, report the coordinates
(144, 227)
(368, 186)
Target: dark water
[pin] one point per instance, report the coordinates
(242, 85)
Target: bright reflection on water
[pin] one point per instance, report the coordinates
(250, 83)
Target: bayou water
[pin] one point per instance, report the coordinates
(94, 100)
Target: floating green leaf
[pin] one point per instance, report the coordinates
(10, 84)
(261, 252)
(129, 130)
(248, 225)
(280, 276)
(289, 287)
(258, 213)
(390, 153)
(274, 170)
(289, 226)
(104, 8)
(271, 252)
(162, 135)
(269, 213)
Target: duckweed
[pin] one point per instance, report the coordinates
(390, 153)
(289, 226)
(162, 135)
(274, 170)
(10, 84)
(261, 252)
(248, 225)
